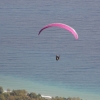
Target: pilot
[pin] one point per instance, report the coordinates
(57, 57)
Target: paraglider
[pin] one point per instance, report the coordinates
(61, 25)
(57, 57)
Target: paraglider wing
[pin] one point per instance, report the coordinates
(61, 25)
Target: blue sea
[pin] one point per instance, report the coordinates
(28, 61)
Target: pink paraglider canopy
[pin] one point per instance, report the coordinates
(61, 25)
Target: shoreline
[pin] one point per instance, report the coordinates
(44, 89)
(51, 97)
(23, 94)
(44, 96)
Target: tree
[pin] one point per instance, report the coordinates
(69, 98)
(18, 92)
(6, 95)
(2, 97)
(32, 95)
(39, 95)
(1, 90)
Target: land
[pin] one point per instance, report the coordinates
(24, 95)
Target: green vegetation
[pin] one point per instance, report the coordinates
(24, 95)
(1, 90)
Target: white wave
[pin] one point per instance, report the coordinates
(46, 96)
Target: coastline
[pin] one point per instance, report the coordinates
(23, 94)
(43, 96)
(45, 90)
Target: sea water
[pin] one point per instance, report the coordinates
(27, 61)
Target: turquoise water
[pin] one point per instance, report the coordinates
(27, 61)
